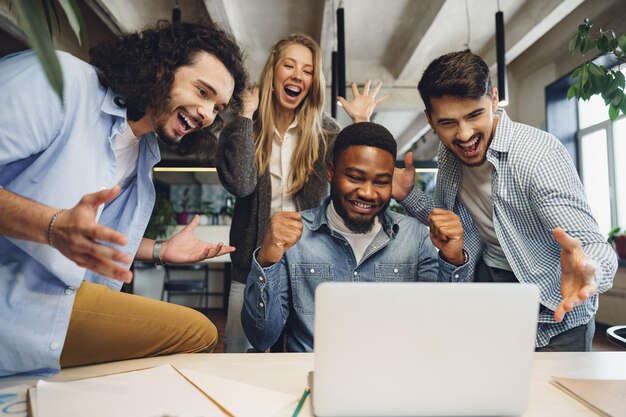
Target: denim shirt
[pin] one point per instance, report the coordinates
(55, 154)
(283, 294)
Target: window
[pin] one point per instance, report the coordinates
(600, 144)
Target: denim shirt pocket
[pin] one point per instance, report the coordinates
(395, 272)
(306, 277)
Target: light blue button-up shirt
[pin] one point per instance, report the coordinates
(54, 154)
(283, 295)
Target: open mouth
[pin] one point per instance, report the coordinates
(470, 147)
(186, 122)
(292, 91)
(363, 207)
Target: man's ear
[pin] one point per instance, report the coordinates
(495, 99)
(330, 172)
(428, 117)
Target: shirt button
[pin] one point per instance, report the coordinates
(312, 270)
(395, 270)
(261, 279)
(69, 290)
(54, 345)
(355, 273)
(261, 305)
(456, 276)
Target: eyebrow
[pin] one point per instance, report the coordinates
(210, 87)
(364, 173)
(293, 60)
(472, 113)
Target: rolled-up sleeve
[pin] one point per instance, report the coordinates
(266, 303)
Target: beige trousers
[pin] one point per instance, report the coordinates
(107, 325)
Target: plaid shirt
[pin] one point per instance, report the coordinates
(535, 188)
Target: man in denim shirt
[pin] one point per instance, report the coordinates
(352, 236)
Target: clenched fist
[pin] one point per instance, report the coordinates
(284, 231)
(446, 233)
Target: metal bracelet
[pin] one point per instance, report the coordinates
(51, 225)
(156, 252)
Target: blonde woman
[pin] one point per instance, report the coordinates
(274, 159)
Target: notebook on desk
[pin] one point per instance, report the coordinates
(423, 349)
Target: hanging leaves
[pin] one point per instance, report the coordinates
(590, 79)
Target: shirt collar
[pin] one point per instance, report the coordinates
(502, 138)
(291, 126)
(113, 104)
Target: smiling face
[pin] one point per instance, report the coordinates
(199, 92)
(293, 75)
(360, 182)
(465, 126)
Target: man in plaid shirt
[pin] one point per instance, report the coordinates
(521, 202)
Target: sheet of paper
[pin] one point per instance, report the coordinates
(153, 392)
(605, 396)
(13, 401)
(240, 399)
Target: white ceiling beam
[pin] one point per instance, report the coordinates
(217, 11)
(107, 16)
(417, 19)
(418, 128)
(528, 25)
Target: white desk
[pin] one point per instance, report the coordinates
(287, 372)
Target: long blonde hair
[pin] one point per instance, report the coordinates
(308, 115)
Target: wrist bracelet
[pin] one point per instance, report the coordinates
(51, 225)
(156, 252)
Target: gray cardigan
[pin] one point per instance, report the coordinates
(237, 171)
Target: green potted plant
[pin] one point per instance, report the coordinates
(227, 210)
(617, 238)
(162, 220)
(185, 208)
(591, 79)
(205, 212)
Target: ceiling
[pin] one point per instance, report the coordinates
(390, 40)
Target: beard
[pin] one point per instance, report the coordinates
(354, 224)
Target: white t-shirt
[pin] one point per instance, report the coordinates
(475, 194)
(358, 241)
(126, 148)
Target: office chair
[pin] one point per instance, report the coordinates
(193, 286)
(617, 335)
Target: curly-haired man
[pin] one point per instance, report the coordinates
(76, 194)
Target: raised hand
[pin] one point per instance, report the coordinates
(250, 102)
(446, 233)
(185, 248)
(362, 106)
(284, 231)
(77, 236)
(578, 273)
(403, 178)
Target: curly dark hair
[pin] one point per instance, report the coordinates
(458, 74)
(365, 134)
(140, 67)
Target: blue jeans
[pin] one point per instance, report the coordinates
(235, 340)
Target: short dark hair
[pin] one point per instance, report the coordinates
(140, 67)
(458, 74)
(365, 134)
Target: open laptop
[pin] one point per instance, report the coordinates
(423, 349)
